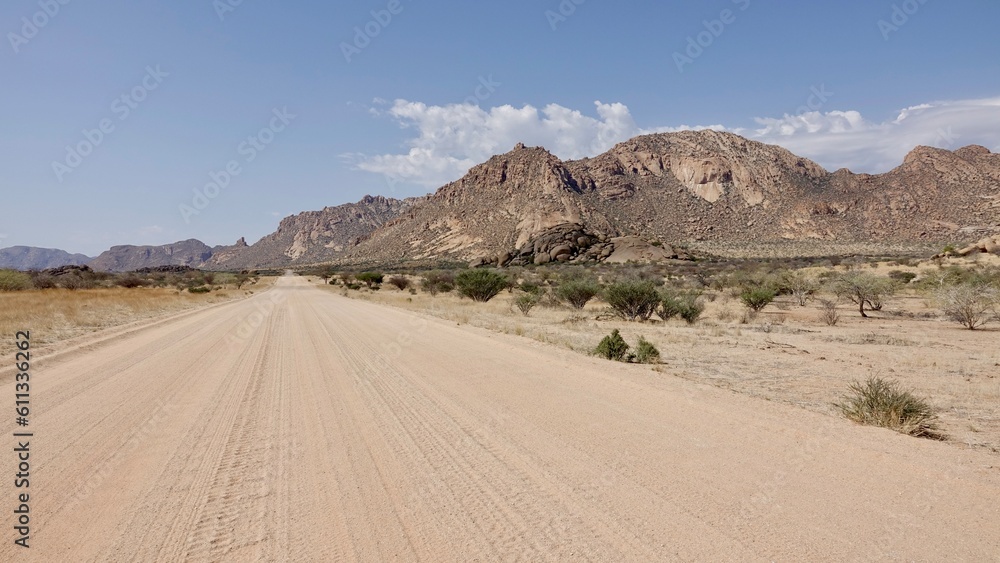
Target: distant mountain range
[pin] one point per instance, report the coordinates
(31, 258)
(528, 205)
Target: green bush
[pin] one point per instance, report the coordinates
(613, 347)
(692, 311)
(131, 281)
(688, 306)
(879, 402)
(632, 300)
(756, 298)
(371, 279)
(200, 289)
(12, 280)
(481, 285)
(578, 292)
(525, 302)
(646, 353)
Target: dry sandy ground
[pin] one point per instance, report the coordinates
(299, 425)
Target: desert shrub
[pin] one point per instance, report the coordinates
(370, 279)
(880, 402)
(692, 310)
(686, 305)
(863, 289)
(353, 286)
(131, 281)
(525, 302)
(75, 282)
(401, 283)
(632, 300)
(438, 282)
(800, 286)
(12, 280)
(530, 287)
(613, 347)
(481, 285)
(209, 277)
(200, 289)
(43, 281)
(646, 353)
(902, 277)
(756, 298)
(969, 305)
(828, 312)
(577, 292)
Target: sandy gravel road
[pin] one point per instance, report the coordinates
(299, 425)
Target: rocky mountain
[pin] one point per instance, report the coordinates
(683, 187)
(126, 258)
(314, 236)
(31, 258)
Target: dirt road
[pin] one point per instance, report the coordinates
(300, 425)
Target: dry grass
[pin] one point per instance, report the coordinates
(56, 315)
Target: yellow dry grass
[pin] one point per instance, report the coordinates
(56, 315)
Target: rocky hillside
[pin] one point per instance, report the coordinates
(192, 253)
(689, 186)
(314, 236)
(31, 258)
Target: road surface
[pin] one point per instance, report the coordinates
(299, 425)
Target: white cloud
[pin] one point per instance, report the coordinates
(448, 140)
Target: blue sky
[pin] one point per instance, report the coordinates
(436, 87)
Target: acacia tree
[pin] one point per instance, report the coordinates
(970, 305)
(864, 289)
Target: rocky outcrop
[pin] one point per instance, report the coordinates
(989, 245)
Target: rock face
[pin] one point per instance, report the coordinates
(192, 253)
(313, 236)
(688, 186)
(30, 258)
(990, 245)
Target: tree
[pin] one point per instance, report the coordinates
(863, 289)
(801, 287)
(756, 298)
(578, 292)
(970, 305)
(400, 282)
(370, 279)
(632, 300)
(481, 285)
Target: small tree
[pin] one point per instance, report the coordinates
(863, 289)
(438, 282)
(12, 280)
(578, 292)
(613, 347)
(481, 285)
(969, 305)
(370, 279)
(632, 300)
(801, 286)
(756, 298)
(400, 282)
(525, 302)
